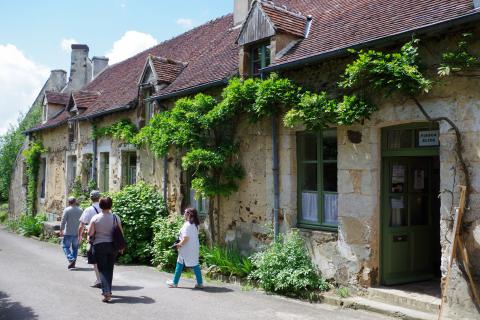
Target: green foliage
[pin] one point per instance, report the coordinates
(10, 145)
(12, 224)
(123, 130)
(460, 59)
(225, 261)
(31, 225)
(343, 292)
(390, 72)
(165, 232)
(284, 267)
(3, 216)
(82, 193)
(32, 161)
(138, 206)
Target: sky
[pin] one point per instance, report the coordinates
(35, 37)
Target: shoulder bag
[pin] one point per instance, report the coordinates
(118, 238)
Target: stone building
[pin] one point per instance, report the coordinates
(373, 201)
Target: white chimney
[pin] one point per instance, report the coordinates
(99, 63)
(240, 11)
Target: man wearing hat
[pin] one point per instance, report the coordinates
(85, 219)
(68, 229)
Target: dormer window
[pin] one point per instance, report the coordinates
(149, 107)
(260, 57)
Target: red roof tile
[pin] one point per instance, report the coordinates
(84, 99)
(343, 23)
(284, 20)
(167, 70)
(57, 97)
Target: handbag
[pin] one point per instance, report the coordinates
(90, 256)
(118, 238)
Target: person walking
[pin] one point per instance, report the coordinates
(101, 230)
(68, 230)
(188, 249)
(87, 215)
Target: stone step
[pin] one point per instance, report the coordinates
(411, 300)
(387, 309)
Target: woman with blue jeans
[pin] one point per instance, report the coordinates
(188, 249)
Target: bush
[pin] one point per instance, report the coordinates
(12, 225)
(284, 267)
(31, 225)
(138, 206)
(226, 261)
(165, 232)
(3, 216)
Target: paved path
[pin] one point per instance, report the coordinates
(35, 284)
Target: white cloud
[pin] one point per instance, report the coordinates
(131, 43)
(185, 23)
(20, 81)
(66, 44)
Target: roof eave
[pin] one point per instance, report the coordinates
(473, 17)
(190, 90)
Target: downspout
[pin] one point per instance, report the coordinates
(94, 161)
(164, 179)
(275, 172)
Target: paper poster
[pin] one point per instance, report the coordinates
(419, 180)
(396, 203)
(398, 171)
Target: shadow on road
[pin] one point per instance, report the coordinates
(14, 310)
(132, 300)
(209, 289)
(125, 288)
(82, 269)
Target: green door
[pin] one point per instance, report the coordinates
(410, 219)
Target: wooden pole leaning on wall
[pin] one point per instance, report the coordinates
(458, 243)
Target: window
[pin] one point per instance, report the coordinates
(72, 132)
(260, 57)
(129, 173)
(43, 175)
(197, 201)
(104, 172)
(317, 179)
(149, 109)
(71, 171)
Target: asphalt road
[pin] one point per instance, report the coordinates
(35, 284)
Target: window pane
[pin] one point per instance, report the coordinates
(330, 145)
(310, 147)
(330, 208)
(419, 210)
(309, 206)
(205, 205)
(267, 56)
(399, 139)
(310, 177)
(398, 212)
(330, 177)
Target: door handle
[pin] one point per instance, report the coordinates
(400, 238)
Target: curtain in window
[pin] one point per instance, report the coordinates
(309, 206)
(330, 208)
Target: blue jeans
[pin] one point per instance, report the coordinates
(70, 241)
(178, 273)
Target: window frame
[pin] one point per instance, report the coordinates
(149, 110)
(199, 201)
(320, 225)
(262, 59)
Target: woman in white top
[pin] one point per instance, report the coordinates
(188, 249)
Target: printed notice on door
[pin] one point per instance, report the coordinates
(428, 138)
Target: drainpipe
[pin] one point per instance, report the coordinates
(94, 162)
(164, 179)
(275, 172)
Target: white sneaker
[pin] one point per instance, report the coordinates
(170, 284)
(199, 286)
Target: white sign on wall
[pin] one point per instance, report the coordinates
(428, 138)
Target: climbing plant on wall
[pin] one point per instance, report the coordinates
(123, 130)
(32, 162)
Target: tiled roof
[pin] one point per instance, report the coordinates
(84, 99)
(167, 70)
(343, 23)
(57, 97)
(284, 20)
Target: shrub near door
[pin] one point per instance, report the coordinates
(138, 206)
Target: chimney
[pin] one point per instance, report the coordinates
(99, 63)
(240, 11)
(57, 80)
(81, 67)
